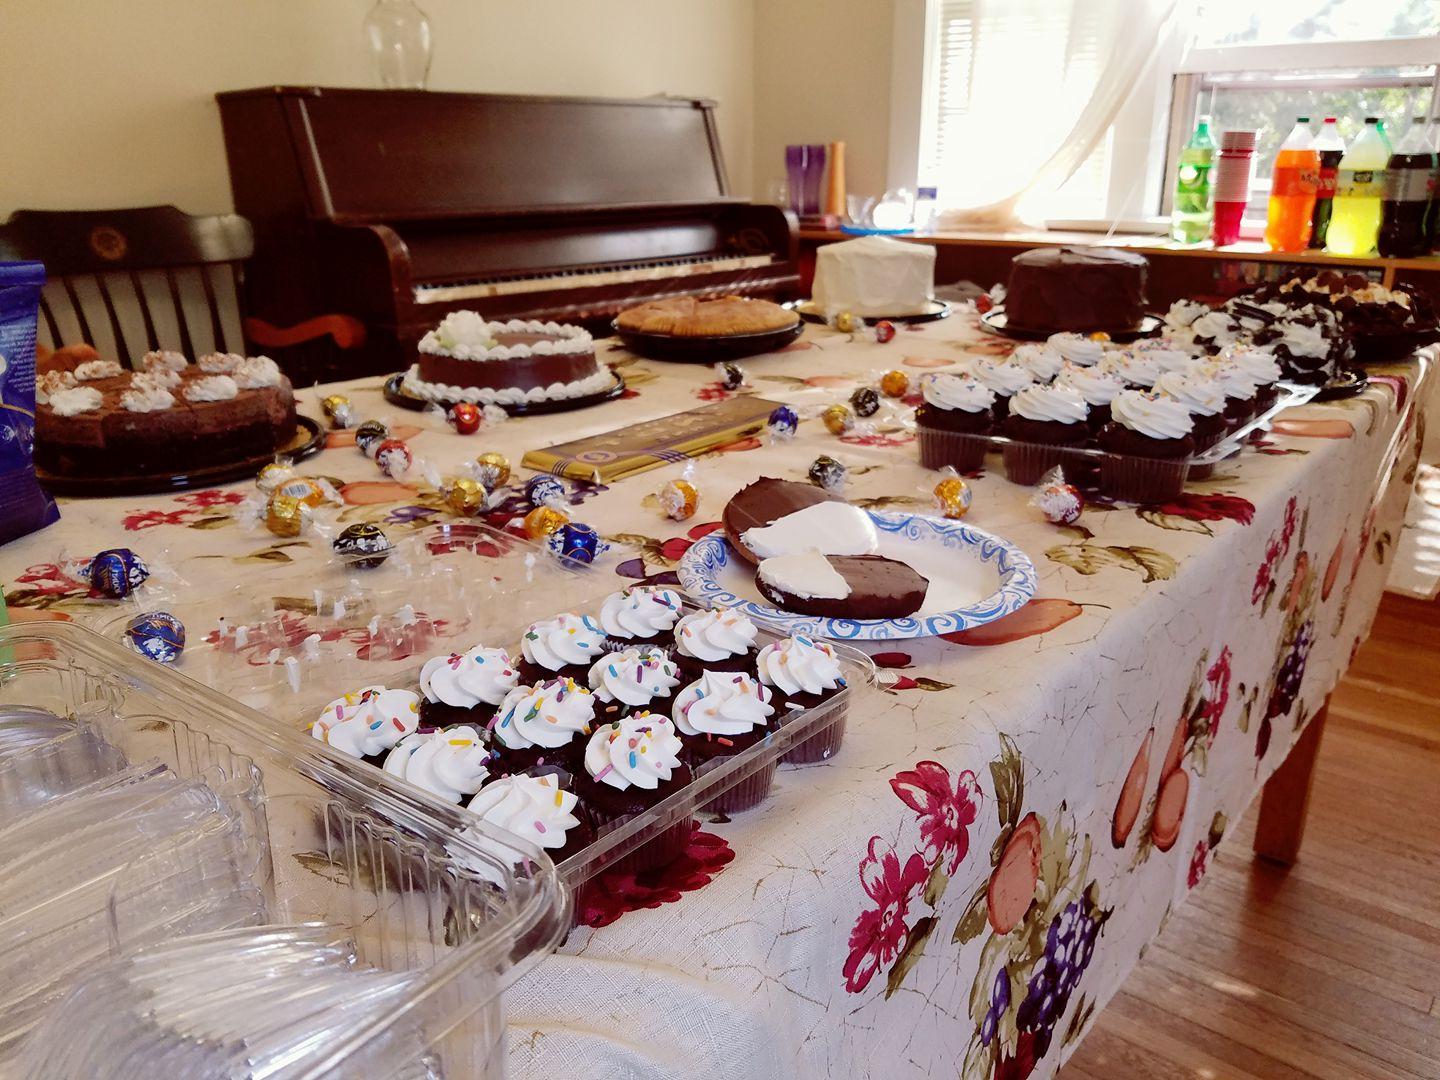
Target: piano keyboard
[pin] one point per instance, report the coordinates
(578, 279)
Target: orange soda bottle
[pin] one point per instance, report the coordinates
(1293, 184)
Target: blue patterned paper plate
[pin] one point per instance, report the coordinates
(975, 578)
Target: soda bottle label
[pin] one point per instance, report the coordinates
(1359, 183)
(1407, 185)
(1325, 184)
(1288, 180)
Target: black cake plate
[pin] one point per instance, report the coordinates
(395, 394)
(994, 322)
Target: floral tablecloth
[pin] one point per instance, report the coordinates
(971, 878)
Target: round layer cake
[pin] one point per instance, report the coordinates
(1076, 289)
(517, 362)
(99, 419)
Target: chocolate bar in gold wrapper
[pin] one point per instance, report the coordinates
(626, 451)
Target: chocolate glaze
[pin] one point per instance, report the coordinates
(522, 372)
(880, 588)
(1077, 289)
(766, 501)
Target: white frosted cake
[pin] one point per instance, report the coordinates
(518, 362)
(873, 276)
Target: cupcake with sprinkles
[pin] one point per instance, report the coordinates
(644, 613)
(642, 676)
(1043, 361)
(542, 724)
(1204, 397)
(1259, 366)
(1149, 431)
(465, 688)
(1042, 420)
(1241, 392)
(368, 722)
(721, 640)
(1077, 348)
(560, 647)
(535, 809)
(718, 716)
(449, 764)
(1096, 385)
(957, 412)
(804, 674)
(1139, 370)
(1004, 378)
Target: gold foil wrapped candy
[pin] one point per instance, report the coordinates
(285, 515)
(543, 520)
(332, 404)
(847, 323)
(679, 499)
(464, 495)
(952, 497)
(838, 419)
(273, 475)
(303, 489)
(894, 383)
(492, 469)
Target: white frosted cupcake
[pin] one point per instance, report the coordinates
(1097, 385)
(1042, 361)
(1004, 378)
(1077, 348)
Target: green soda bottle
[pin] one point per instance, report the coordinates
(1190, 217)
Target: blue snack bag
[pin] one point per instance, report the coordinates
(24, 506)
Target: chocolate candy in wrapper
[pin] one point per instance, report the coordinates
(345, 417)
(952, 497)
(732, 376)
(304, 489)
(848, 323)
(464, 418)
(838, 419)
(117, 572)
(828, 473)
(577, 542)
(544, 490)
(273, 475)
(782, 423)
(865, 401)
(544, 520)
(369, 436)
(329, 404)
(394, 458)
(1061, 503)
(894, 383)
(884, 331)
(679, 499)
(492, 469)
(285, 515)
(156, 634)
(465, 495)
(365, 545)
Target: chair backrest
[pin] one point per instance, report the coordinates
(150, 277)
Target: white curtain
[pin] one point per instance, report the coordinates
(1025, 90)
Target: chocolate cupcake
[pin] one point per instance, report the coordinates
(1138, 370)
(1096, 385)
(1042, 361)
(1080, 349)
(368, 722)
(639, 615)
(541, 724)
(954, 421)
(1165, 355)
(719, 715)
(1205, 398)
(1005, 378)
(449, 764)
(642, 676)
(805, 674)
(1041, 419)
(560, 647)
(721, 640)
(465, 688)
(536, 809)
(629, 766)
(1240, 390)
(1149, 440)
(1261, 368)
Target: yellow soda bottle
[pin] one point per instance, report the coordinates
(1359, 188)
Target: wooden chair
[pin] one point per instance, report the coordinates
(129, 281)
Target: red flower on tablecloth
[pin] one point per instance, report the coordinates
(714, 391)
(1199, 863)
(878, 439)
(149, 519)
(1194, 506)
(615, 892)
(204, 500)
(1217, 693)
(1276, 548)
(51, 579)
(946, 809)
(880, 933)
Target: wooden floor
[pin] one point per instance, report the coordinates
(1332, 968)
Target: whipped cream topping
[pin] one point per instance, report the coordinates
(219, 363)
(1217, 327)
(367, 721)
(159, 376)
(146, 396)
(640, 612)
(1137, 369)
(211, 388)
(163, 360)
(599, 382)
(74, 400)
(1042, 361)
(548, 714)
(1157, 416)
(712, 636)
(465, 335)
(1183, 313)
(832, 528)
(1167, 359)
(722, 703)
(806, 574)
(449, 764)
(1198, 392)
(50, 382)
(253, 372)
(561, 641)
(963, 392)
(92, 370)
(534, 808)
(1231, 377)
(1258, 363)
(1059, 404)
(1003, 376)
(800, 665)
(1097, 385)
(634, 676)
(1077, 348)
(465, 680)
(1304, 340)
(636, 751)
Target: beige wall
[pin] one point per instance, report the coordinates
(822, 73)
(111, 102)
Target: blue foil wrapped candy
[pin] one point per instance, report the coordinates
(156, 634)
(544, 490)
(783, 422)
(577, 542)
(117, 572)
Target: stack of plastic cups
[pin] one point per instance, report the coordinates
(1233, 174)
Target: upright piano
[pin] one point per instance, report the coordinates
(397, 207)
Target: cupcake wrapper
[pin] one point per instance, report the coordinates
(822, 745)
(660, 850)
(746, 795)
(965, 453)
(1136, 479)
(1026, 463)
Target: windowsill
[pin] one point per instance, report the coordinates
(1250, 228)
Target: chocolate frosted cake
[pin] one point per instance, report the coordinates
(1079, 289)
(518, 362)
(100, 419)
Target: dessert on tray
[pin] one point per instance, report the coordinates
(1076, 289)
(692, 316)
(874, 277)
(99, 419)
(520, 362)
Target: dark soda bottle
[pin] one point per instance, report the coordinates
(1406, 204)
(1331, 146)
